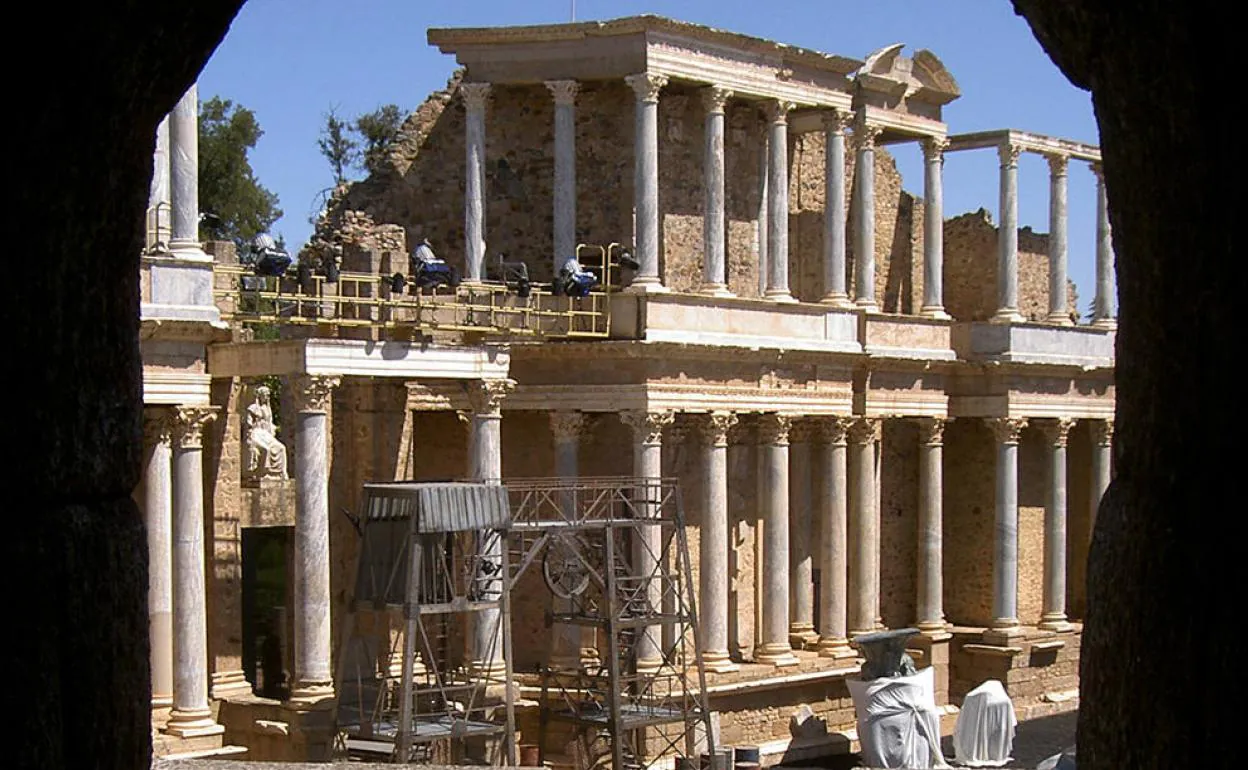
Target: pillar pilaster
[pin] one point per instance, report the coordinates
(1059, 313)
(1007, 236)
(476, 95)
(773, 437)
(714, 544)
(574, 646)
(1102, 464)
(191, 715)
(1053, 617)
(931, 614)
(777, 113)
(801, 546)
(864, 217)
(158, 519)
(831, 473)
(184, 178)
(485, 464)
(714, 264)
(864, 567)
(1006, 432)
(1103, 305)
(834, 289)
(933, 227)
(646, 87)
(564, 93)
(647, 430)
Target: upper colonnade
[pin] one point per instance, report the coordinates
(886, 99)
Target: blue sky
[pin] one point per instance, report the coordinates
(290, 60)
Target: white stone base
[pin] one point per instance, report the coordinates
(193, 724)
(653, 286)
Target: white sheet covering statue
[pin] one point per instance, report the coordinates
(266, 455)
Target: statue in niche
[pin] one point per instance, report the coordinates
(266, 456)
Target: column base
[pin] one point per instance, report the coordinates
(718, 662)
(779, 295)
(1003, 634)
(778, 655)
(309, 694)
(835, 648)
(802, 636)
(161, 702)
(838, 300)
(230, 684)
(193, 723)
(646, 286)
(488, 669)
(935, 311)
(715, 290)
(1105, 323)
(1007, 315)
(590, 659)
(1055, 622)
(932, 628)
(649, 665)
(869, 305)
(1059, 319)
(567, 663)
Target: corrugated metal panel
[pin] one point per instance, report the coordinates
(440, 507)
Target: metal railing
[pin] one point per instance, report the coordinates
(491, 307)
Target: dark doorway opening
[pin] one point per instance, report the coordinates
(267, 557)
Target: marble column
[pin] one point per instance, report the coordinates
(713, 545)
(930, 604)
(801, 545)
(773, 441)
(1053, 617)
(834, 291)
(864, 217)
(1007, 237)
(646, 86)
(647, 430)
(1006, 431)
(564, 93)
(1102, 465)
(184, 177)
(485, 464)
(764, 162)
(934, 227)
(831, 473)
(1103, 310)
(475, 97)
(313, 676)
(714, 262)
(1059, 313)
(573, 645)
(158, 212)
(777, 113)
(158, 518)
(864, 534)
(191, 715)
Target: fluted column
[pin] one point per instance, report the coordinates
(564, 93)
(1053, 617)
(485, 464)
(834, 292)
(647, 430)
(1007, 237)
(158, 518)
(831, 472)
(184, 177)
(158, 203)
(934, 227)
(930, 605)
(573, 644)
(863, 527)
(191, 715)
(774, 446)
(801, 544)
(646, 86)
(313, 676)
(475, 97)
(777, 112)
(864, 217)
(1059, 313)
(1102, 466)
(1103, 306)
(1006, 431)
(714, 262)
(713, 544)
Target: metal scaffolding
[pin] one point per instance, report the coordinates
(614, 553)
(433, 571)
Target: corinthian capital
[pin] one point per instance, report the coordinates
(1006, 430)
(1008, 153)
(1057, 432)
(647, 426)
(865, 136)
(646, 85)
(567, 426)
(865, 430)
(833, 430)
(934, 148)
(486, 396)
(716, 426)
(475, 95)
(714, 98)
(1058, 163)
(774, 429)
(157, 427)
(189, 423)
(312, 392)
(932, 431)
(777, 110)
(836, 121)
(564, 91)
(1102, 432)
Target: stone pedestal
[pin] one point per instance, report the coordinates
(773, 443)
(313, 676)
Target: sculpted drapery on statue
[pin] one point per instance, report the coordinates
(266, 455)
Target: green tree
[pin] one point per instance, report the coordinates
(337, 145)
(378, 131)
(228, 190)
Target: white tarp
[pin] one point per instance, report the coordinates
(984, 735)
(898, 724)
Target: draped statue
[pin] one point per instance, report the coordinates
(266, 455)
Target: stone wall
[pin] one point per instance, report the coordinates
(1040, 672)
(969, 485)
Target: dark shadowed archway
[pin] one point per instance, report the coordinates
(1163, 595)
